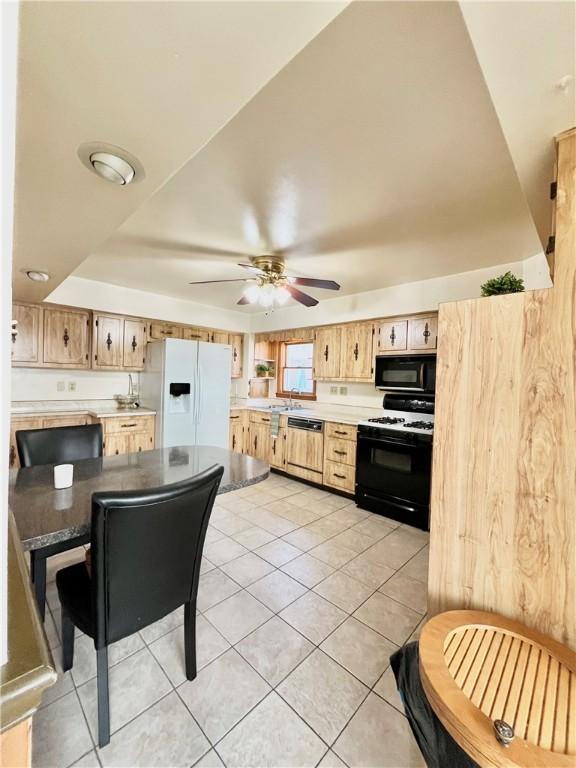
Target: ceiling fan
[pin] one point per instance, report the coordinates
(271, 285)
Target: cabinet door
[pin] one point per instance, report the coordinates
(66, 338)
(159, 330)
(236, 340)
(278, 449)
(219, 337)
(327, 343)
(48, 422)
(141, 441)
(260, 441)
(27, 341)
(107, 341)
(305, 449)
(423, 332)
(236, 436)
(16, 424)
(356, 352)
(117, 444)
(392, 336)
(134, 352)
(195, 334)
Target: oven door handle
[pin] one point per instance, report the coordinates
(404, 507)
(386, 441)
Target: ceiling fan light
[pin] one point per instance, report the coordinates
(266, 295)
(252, 293)
(281, 295)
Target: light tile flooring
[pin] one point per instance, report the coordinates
(302, 599)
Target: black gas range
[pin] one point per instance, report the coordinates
(394, 459)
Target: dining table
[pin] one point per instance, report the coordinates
(50, 521)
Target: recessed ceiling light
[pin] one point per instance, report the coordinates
(112, 168)
(38, 277)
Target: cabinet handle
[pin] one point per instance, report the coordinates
(108, 342)
(340, 453)
(66, 338)
(233, 442)
(392, 336)
(342, 477)
(134, 344)
(167, 333)
(274, 447)
(255, 442)
(234, 417)
(117, 451)
(12, 455)
(266, 420)
(326, 353)
(139, 449)
(125, 426)
(235, 354)
(356, 351)
(426, 333)
(339, 432)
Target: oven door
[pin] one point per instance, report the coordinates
(412, 373)
(395, 469)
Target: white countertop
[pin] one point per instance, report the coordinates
(322, 411)
(100, 409)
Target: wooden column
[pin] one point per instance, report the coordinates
(504, 473)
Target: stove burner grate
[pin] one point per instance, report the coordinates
(387, 420)
(420, 425)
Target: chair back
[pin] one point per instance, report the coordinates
(146, 552)
(59, 445)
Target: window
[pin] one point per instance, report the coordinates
(296, 370)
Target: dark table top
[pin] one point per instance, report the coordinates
(46, 516)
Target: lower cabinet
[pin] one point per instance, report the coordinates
(238, 431)
(259, 441)
(278, 450)
(340, 456)
(304, 454)
(39, 422)
(127, 434)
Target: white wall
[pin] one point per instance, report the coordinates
(42, 384)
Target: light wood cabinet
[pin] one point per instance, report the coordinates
(236, 340)
(423, 333)
(134, 347)
(278, 450)
(343, 451)
(195, 334)
(391, 336)
(159, 330)
(107, 341)
(305, 449)
(27, 340)
(238, 431)
(260, 417)
(66, 338)
(259, 441)
(340, 431)
(327, 353)
(341, 476)
(340, 456)
(73, 420)
(129, 433)
(219, 337)
(356, 352)
(24, 422)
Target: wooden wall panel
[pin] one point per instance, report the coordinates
(504, 473)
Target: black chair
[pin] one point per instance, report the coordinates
(59, 445)
(146, 554)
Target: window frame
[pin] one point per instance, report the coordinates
(282, 366)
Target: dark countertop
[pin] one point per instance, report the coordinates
(46, 516)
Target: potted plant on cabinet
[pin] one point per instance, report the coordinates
(262, 370)
(506, 283)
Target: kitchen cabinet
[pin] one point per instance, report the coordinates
(327, 353)
(340, 476)
(340, 456)
(340, 431)
(423, 332)
(219, 337)
(24, 422)
(356, 352)
(236, 340)
(159, 330)
(238, 431)
(27, 341)
(391, 336)
(118, 343)
(341, 451)
(128, 433)
(195, 334)
(66, 338)
(278, 450)
(259, 441)
(134, 345)
(304, 450)
(73, 420)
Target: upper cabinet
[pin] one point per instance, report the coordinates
(219, 337)
(423, 333)
(356, 352)
(118, 343)
(391, 336)
(327, 352)
(195, 334)
(27, 336)
(236, 340)
(66, 338)
(160, 330)
(406, 335)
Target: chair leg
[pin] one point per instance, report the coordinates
(67, 642)
(190, 639)
(38, 576)
(103, 698)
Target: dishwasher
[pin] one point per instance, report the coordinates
(305, 447)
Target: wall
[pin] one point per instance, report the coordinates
(41, 384)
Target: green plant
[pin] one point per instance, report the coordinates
(262, 369)
(506, 283)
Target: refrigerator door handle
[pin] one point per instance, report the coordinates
(199, 392)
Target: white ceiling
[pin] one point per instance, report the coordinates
(375, 157)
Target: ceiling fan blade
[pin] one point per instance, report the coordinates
(238, 280)
(312, 282)
(252, 268)
(243, 300)
(303, 298)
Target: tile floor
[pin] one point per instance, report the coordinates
(302, 599)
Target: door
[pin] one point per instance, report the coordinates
(305, 449)
(195, 334)
(260, 441)
(278, 449)
(27, 341)
(392, 336)
(356, 352)
(327, 344)
(115, 445)
(213, 402)
(236, 436)
(219, 337)
(66, 338)
(142, 441)
(107, 341)
(159, 330)
(134, 345)
(423, 332)
(236, 342)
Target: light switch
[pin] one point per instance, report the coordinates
(60, 386)
(333, 390)
(343, 390)
(71, 386)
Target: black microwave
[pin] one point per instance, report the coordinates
(406, 373)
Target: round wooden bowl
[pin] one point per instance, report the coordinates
(478, 667)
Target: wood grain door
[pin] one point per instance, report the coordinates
(195, 334)
(134, 345)
(327, 353)
(260, 441)
(30, 422)
(66, 338)
(278, 449)
(117, 444)
(356, 362)
(305, 449)
(236, 340)
(423, 333)
(141, 441)
(219, 337)
(27, 341)
(391, 336)
(236, 436)
(107, 341)
(160, 330)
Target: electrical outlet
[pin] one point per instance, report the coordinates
(333, 390)
(60, 386)
(71, 386)
(343, 390)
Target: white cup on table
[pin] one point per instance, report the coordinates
(63, 475)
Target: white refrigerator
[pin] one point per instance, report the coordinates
(187, 383)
